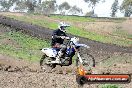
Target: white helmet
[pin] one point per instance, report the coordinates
(62, 26)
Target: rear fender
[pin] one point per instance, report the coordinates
(50, 52)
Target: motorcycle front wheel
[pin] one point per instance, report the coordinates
(88, 60)
(81, 80)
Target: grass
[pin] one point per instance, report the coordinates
(86, 19)
(101, 38)
(121, 32)
(26, 47)
(41, 21)
(73, 18)
(109, 86)
(129, 36)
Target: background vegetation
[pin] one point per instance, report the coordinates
(48, 7)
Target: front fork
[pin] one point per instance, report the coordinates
(79, 58)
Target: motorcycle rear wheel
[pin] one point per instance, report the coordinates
(45, 64)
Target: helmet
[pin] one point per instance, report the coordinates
(62, 26)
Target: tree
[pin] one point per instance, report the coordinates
(126, 7)
(63, 7)
(47, 7)
(92, 3)
(128, 11)
(114, 8)
(40, 1)
(23, 5)
(7, 4)
(31, 4)
(91, 14)
(75, 10)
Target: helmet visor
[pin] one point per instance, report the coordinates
(63, 27)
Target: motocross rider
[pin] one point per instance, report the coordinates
(58, 37)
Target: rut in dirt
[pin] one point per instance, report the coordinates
(45, 33)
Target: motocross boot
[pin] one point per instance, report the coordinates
(60, 54)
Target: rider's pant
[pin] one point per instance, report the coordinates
(63, 48)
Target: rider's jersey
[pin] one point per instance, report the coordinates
(55, 39)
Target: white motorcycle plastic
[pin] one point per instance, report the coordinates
(51, 55)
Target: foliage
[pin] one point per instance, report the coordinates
(75, 10)
(92, 3)
(6, 4)
(21, 6)
(91, 14)
(126, 7)
(114, 8)
(128, 11)
(47, 7)
(109, 86)
(29, 5)
(39, 1)
(63, 7)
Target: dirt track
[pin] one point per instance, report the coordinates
(16, 73)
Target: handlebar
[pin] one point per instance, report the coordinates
(65, 37)
(75, 42)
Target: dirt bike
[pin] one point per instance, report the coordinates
(72, 47)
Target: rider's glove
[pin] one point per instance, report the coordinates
(67, 37)
(63, 37)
